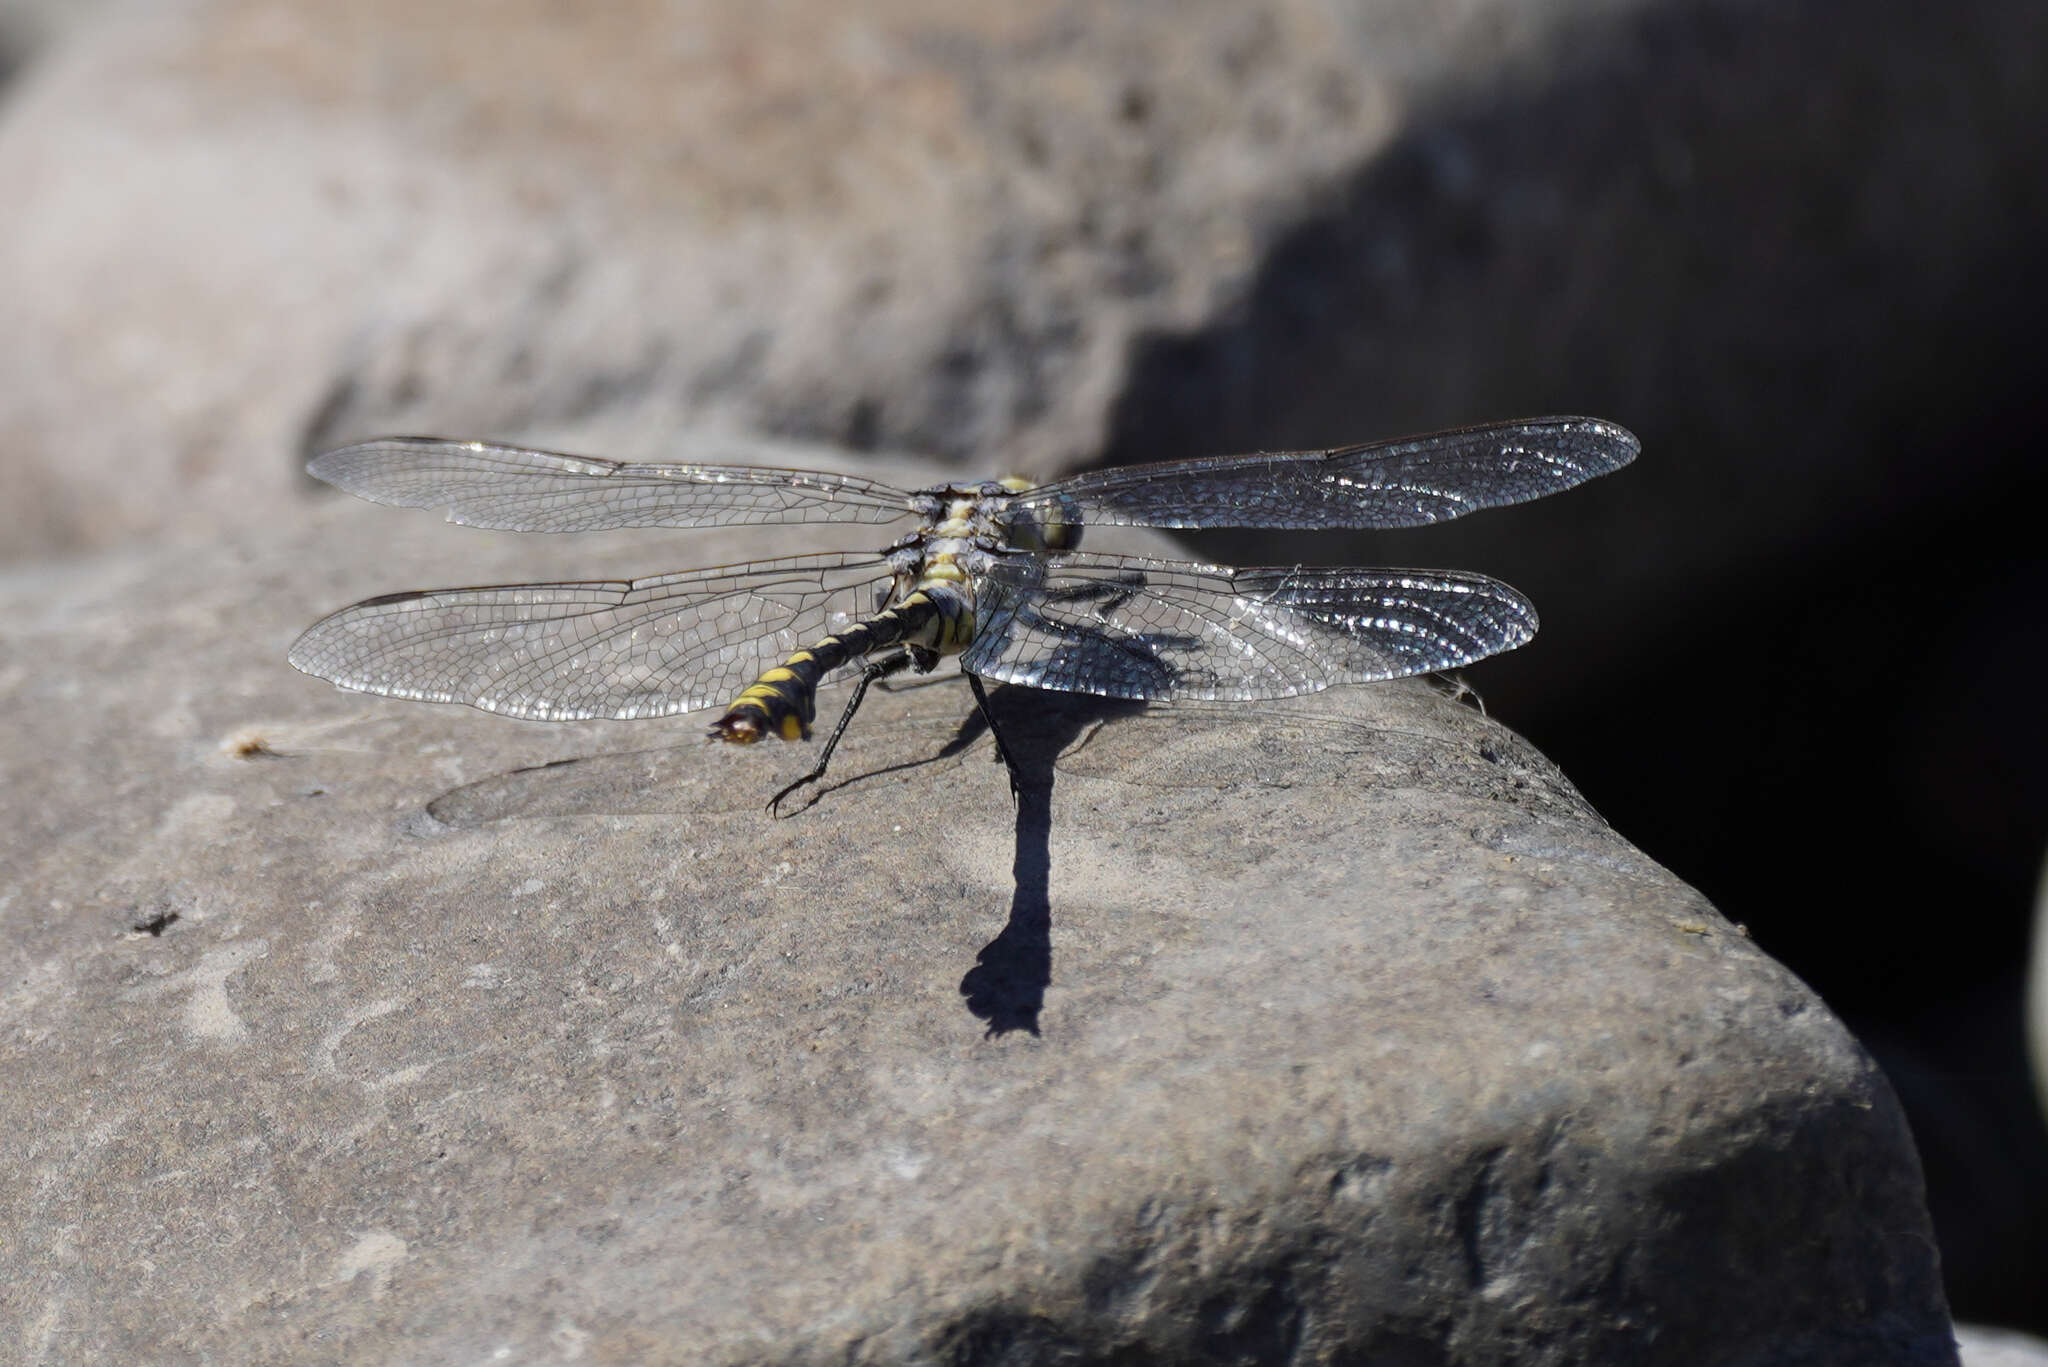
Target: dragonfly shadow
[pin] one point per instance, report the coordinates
(1006, 986)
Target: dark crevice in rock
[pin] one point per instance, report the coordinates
(156, 925)
(1473, 1215)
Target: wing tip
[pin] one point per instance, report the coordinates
(353, 468)
(1615, 445)
(1525, 621)
(1516, 624)
(313, 652)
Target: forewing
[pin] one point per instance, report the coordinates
(1123, 627)
(1403, 483)
(511, 488)
(608, 648)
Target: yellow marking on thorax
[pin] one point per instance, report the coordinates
(958, 522)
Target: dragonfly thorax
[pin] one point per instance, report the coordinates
(991, 513)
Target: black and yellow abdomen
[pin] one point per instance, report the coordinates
(933, 621)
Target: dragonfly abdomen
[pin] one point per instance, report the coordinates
(784, 700)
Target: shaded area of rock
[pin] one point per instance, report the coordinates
(2037, 996)
(1336, 1029)
(1796, 247)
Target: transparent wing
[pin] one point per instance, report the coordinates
(1402, 483)
(1159, 629)
(556, 652)
(514, 489)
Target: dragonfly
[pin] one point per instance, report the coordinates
(991, 574)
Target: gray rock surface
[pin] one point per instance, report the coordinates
(29, 26)
(1984, 1347)
(341, 1029)
(242, 228)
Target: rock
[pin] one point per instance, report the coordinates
(29, 26)
(2037, 997)
(1982, 1347)
(1026, 238)
(245, 229)
(1339, 1029)
(253, 229)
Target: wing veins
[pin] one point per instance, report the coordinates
(1186, 630)
(579, 652)
(1404, 482)
(511, 488)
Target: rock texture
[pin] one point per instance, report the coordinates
(1021, 236)
(244, 228)
(273, 227)
(1340, 1030)
(1981, 1347)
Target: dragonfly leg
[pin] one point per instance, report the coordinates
(995, 734)
(869, 672)
(1107, 595)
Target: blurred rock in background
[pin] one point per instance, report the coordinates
(1794, 246)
